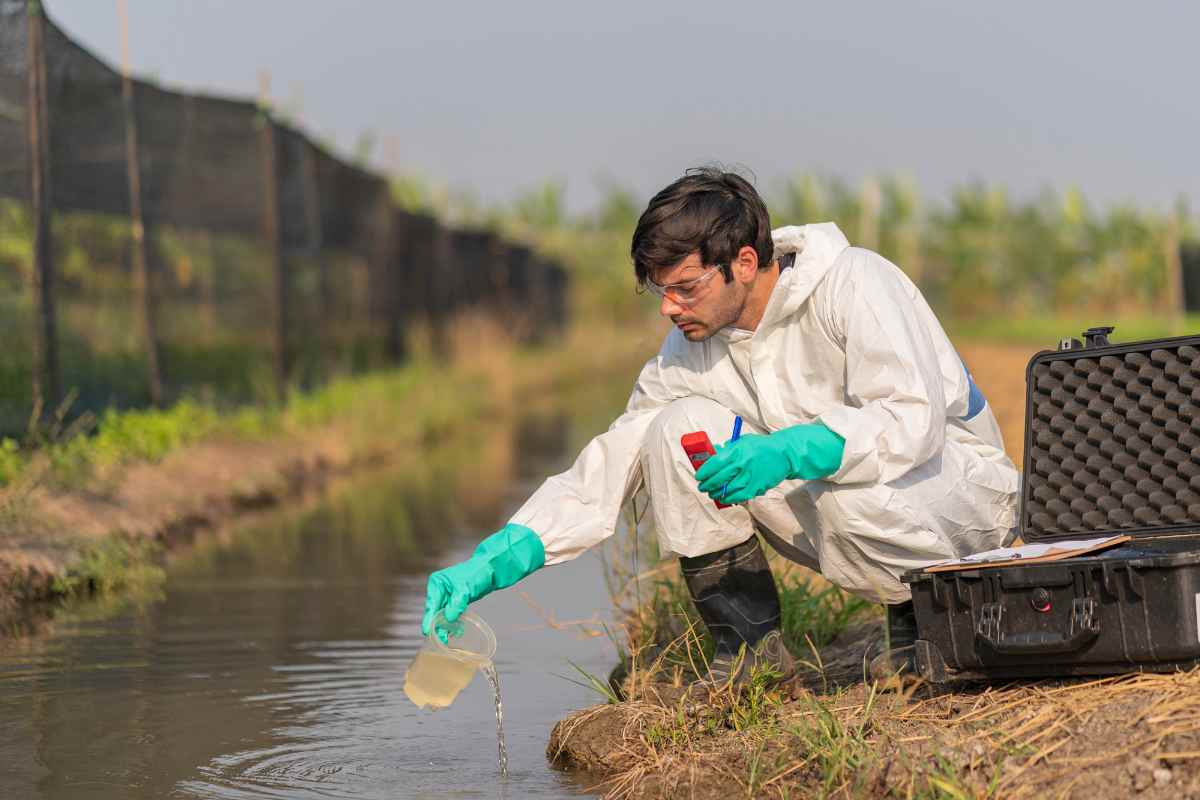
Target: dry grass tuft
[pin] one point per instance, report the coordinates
(1107, 738)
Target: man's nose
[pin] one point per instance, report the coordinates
(668, 307)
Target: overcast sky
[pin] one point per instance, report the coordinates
(501, 96)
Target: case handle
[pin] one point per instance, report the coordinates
(1098, 336)
(1085, 626)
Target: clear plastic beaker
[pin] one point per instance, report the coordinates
(443, 669)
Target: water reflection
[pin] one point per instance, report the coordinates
(273, 664)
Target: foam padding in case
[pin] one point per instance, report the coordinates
(1113, 440)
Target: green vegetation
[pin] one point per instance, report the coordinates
(125, 436)
(669, 641)
(985, 252)
(813, 617)
(111, 565)
(11, 460)
(1049, 329)
(845, 757)
(213, 331)
(595, 683)
(74, 457)
(980, 253)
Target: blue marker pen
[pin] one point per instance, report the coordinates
(737, 434)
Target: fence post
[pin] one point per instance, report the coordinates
(141, 272)
(272, 238)
(45, 388)
(316, 243)
(441, 291)
(393, 300)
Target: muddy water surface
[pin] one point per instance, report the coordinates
(271, 661)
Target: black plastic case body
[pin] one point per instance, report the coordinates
(1112, 446)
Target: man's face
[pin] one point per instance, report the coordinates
(702, 308)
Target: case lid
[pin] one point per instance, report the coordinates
(1112, 439)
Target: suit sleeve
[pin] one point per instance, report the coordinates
(894, 417)
(579, 508)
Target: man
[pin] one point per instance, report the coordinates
(868, 449)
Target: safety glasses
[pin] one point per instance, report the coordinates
(685, 293)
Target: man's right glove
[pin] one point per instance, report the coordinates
(500, 560)
(744, 469)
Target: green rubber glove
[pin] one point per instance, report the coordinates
(744, 469)
(500, 560)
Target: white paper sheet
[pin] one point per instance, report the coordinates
(1027, 551)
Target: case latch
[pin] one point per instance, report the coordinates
(988, 627)
(1069, 343)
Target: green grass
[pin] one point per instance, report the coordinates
(816, 615)
(1048, 330)
(111, 565)
(135, 435)
(755, 707)
(72, 455)
(813, 614)
(841, 752)
(845, 755)
(377, 403)
(11, 460)
(593, 682)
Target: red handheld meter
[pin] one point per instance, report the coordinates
(698, 448)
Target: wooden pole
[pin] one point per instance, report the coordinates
(387, 268)
(271, 237)
(400, 285)
(438, 269)
(397, 261)
(45, 378)
(316, 244)
(141, 274)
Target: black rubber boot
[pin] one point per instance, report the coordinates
(894, 655)
(736, 596)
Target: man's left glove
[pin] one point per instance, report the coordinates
(744, 469)
(500, 560)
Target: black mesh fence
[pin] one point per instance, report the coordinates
(155, 243)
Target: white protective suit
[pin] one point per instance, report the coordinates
(846, 339)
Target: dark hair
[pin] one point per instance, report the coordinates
(708, 210)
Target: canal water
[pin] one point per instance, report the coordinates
(270, 662)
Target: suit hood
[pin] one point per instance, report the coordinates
(816, 248)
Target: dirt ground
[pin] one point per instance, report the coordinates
(830, 734)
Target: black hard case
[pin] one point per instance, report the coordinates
(1112, 446)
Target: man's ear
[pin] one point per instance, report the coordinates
(745, 264)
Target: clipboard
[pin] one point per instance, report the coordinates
(1029, 554)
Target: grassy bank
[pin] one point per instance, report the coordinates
(830, 733)
(88, 509)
